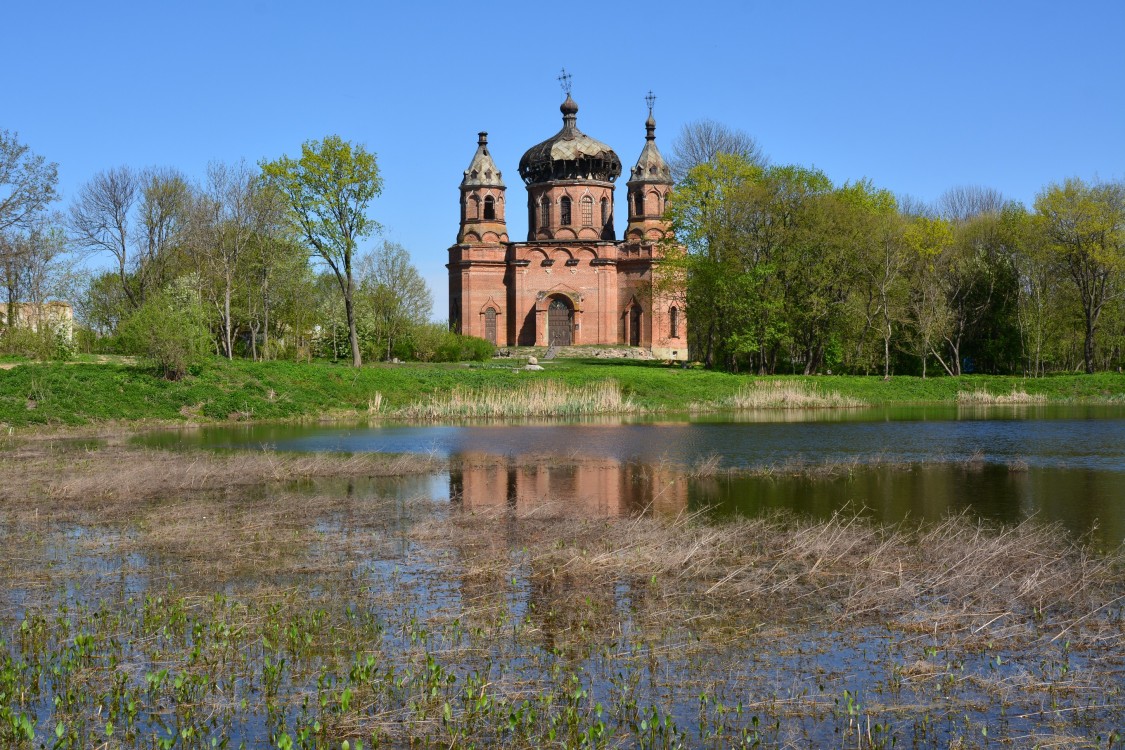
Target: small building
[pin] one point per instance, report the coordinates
(573, 281)
(58, 315)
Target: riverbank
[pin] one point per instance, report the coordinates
(85, 393)
(169, 598)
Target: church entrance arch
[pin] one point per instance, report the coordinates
(560, 323)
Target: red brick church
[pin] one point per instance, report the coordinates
(573, 282)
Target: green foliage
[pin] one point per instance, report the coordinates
(329, 190)
(171, 330)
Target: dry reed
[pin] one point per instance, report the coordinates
(786, 394)
(978, 397)
(540, 398)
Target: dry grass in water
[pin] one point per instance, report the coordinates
(223, 603)
(786, 394)
(540, 398)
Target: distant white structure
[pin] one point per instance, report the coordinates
(59, 316)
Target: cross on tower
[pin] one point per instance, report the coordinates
(564, 81)
(651, 99)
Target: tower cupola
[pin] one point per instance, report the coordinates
(650, 182)
(482, 199)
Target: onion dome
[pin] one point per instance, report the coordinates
(650, 166)
(570, 154)
(482, 171)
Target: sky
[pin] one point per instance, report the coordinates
(917, 96)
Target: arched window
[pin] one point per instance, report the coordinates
(587, 211)
(489, 208)
(544, 212)
(654, 201)
(564, 211)
(605, 211)
(674, 317)
(474, 207)
(640, 201)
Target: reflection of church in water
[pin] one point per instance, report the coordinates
(589, 487)
(573, 281)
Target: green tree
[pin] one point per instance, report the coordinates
(1084, 225)
(27, 182)
(880, 265)
(393, 292)
(329, 190)
(928, 241)
(711, 212)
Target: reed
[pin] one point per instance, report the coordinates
(539, 398)
(193, 612)
(978, 397)
(786, 394)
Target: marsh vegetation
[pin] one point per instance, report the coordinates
(194, 599)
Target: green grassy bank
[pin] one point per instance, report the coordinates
(83, 393)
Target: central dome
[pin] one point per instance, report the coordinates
(569, 154)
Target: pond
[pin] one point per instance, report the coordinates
(1061, 464)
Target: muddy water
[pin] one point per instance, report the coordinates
(1003, 464)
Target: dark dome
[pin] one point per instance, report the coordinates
(570, 154)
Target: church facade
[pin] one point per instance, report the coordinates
(573, 282)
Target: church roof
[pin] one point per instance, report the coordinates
(570, 154)
(482, 171)
(650, 166)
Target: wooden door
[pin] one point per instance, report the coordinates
(559, 323)
(490, 325)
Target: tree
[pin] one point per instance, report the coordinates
(699, 142)
(328, 190)
(1084, 225)
(162, 223)
(711, 217)
(880, 262)
(99, 219)
(928, 241)
(227, 214)
(27, 183)
(394, 292)
(966, 202)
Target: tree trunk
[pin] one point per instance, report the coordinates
(1088, 347)
(353, 334)
(226, 321)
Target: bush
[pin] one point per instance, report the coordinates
(46, 344)
(171, 330)
(436, 343)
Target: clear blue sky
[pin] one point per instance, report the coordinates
(917, 96)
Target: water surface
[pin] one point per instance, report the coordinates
(1003, 464)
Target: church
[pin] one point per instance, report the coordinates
(573, 282)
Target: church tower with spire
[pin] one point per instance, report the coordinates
(572, 282)
(650, 182)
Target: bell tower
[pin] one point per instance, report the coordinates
(649, 183)
(482, 200)
(477, 262)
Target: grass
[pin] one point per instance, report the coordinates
(84, 393)
(174, 609)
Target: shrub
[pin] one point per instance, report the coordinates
(171, 330)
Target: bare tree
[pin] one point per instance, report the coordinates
(699, 142)
(162, 218)
(99, 219)
(227, 217)
(959, 204)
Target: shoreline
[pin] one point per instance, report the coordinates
(115, 396)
